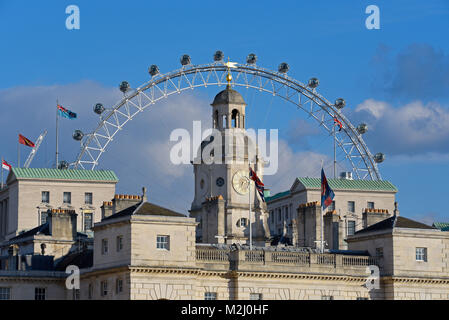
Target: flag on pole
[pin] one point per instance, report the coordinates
(6, 165)
(65, 113)
(259, 185)
(327, 194)
(338, 123)
(25, 141)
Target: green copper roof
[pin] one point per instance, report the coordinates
(65, 174)
(278, 195)
(443, 226)
(346, 184)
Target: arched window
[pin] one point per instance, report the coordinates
(242, 222)
(216, 119)
(235, 117)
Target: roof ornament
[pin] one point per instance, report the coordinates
(396, 211)
(229, 65)
(144, 194)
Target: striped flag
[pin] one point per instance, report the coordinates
(327, 194)
(25, 141)
(6, 165)
(259, 185)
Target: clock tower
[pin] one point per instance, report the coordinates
(222, 199)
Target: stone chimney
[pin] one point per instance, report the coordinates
(396, 210)
(124, 201)
(372, 216)
(106, 209)
(62, 223)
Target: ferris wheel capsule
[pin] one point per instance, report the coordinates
(63, 165)
(340, 103)
(379, 157)
(283, 67)
(98, 108)
(153, 70)
(218, 56)
(185, 60)
(313, 83)
(124, 86)
(78, 135)
(251, 58)
(362, 128)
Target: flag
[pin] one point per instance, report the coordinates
(65, 113)
(25, 141)
(338, 123)
(6, 165)
(327, 194)
(259, 185)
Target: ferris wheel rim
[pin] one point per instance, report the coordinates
(247, 69)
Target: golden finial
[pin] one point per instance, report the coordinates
(229, 76)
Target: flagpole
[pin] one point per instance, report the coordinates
(2, 174)
(57, 133)
(249, 221)
(335, 155)
(321, 216)
(18, 154)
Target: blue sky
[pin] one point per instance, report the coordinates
(396, 79)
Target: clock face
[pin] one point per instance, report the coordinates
(220, 182)
(240, 182)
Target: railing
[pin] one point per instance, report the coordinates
(207, 254)
(255, 256)
(359, 261)
(326, 259)
(297, 258)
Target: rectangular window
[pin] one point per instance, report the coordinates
(279, 215)
(370, 205)
(39, 293)
(272, 216)
(351, 227)
(351, 206)
(88, 198)
(327, 297)
(45, 196)
(104, 288)
(76, 294)
(163, 242)
(5, 293)
(286, 213)
(90, 293)
(119, 286)
(210, 296)
(119, 243)
(255, 296)
(44, 216)
(104, 246)
(421, 254)
(380, 252)
(67, 197)
(87, 221)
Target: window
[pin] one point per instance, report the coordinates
(351, 206)
(351, 227)
(67, 197)
(272, 216)
(242, 222)
(45, 196)
(255, 296)
(119, 243)
(286, 213)
(44, 216)
(104, 288)
(76, 294)
(210, 296)
(104, 246)
(39, 293)
(88, 198)
(279, 214)
(118, 286)
(5, 293)
(327, 297)
(380, 252)
(332, 206)
(163, 242)
(90, 293)
(87, 221)
(421, 254)
(370, 205)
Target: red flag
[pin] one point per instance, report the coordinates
(25, 141)
(6, 165)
